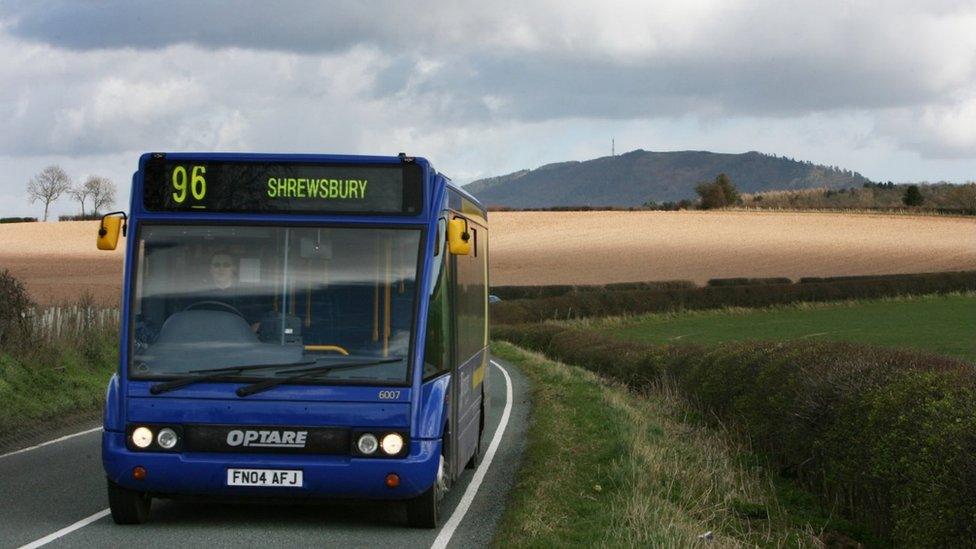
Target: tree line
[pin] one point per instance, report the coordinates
(53, 182)
(722, 193)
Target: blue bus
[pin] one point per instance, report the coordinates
(296, 326)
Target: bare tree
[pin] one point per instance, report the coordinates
(48, 186)
(102, 192)
(965, 196)
(81, 193)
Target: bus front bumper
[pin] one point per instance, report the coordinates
(323, 476)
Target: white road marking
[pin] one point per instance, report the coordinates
(479, 475)
(66, 530)
(442, 538)
(66, 437)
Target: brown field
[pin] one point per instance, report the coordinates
(58, 261)
(601, 247)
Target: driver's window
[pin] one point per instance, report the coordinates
(437, 352)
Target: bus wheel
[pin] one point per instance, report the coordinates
(423, 511)
(128, 506)
(475, 460)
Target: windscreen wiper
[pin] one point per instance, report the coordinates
(214, 373)
(307, 372)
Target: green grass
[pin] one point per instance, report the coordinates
(47, 383)
(607, 467)
(943, 324)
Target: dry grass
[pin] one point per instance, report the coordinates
(668, 480)
(680, 489)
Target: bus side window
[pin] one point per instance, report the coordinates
(471, 297)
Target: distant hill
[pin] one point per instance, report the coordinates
(633, 178)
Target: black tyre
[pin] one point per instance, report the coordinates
(128, 506)
(424, 510)
(475, 460)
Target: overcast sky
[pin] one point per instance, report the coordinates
(485, 88)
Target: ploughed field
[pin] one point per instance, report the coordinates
(58, 261)
(530, 248)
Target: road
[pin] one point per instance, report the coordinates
(48, 492)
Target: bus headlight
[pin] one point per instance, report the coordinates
(142, 437)
(367, 444)
(392, 444)
(166, 438)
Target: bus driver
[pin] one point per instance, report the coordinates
(226, 288)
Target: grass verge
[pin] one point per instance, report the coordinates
(48, 382)
(605, 466)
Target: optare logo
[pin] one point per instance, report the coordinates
(267, 439)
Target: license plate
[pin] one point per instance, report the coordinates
(264, 477)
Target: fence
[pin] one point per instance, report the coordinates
(54, 323)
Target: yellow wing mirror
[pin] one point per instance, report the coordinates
(458, 237)
(108, 231)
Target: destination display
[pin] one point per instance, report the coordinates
(281, 187)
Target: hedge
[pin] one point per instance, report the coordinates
(532, 292)
(849, 278)
(80, 217)
(748, 281)
(599, 303)
(18, 219)
(887, 437)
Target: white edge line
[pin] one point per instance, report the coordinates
(444, 537)
(35, 447)
(66, 530)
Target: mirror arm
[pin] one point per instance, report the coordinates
(465, 235)
(102, 231)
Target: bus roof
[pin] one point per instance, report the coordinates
(288, 157)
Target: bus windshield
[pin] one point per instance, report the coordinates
(207, 297)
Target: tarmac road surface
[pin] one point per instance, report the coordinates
(54, 495)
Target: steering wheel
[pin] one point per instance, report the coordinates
(228, 306)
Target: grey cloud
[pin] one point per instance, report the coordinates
(287, 26)
(550, 87)
(247, 73)
(747, 60)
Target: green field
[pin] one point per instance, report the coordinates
(943, 324)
